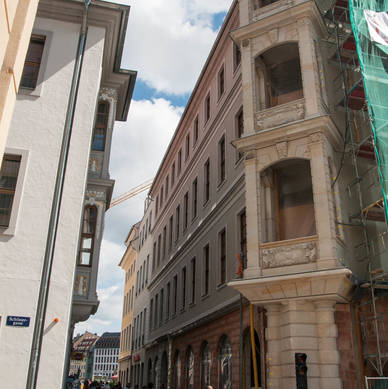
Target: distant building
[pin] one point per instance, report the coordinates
(106, 355)
(82, 347)
(128, 264)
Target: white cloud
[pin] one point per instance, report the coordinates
(168, 45)
(138, 147)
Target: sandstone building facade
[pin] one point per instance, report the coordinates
(258, 201)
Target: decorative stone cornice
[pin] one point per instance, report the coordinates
(316, 285)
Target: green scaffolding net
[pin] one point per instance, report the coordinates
(369, 20)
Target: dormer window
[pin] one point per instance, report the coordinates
(99, 136)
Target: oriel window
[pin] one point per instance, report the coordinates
(99, 136)
(88, 235)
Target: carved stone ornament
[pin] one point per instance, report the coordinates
(295, 254)
(108, 94)
(92, 194)
(282, 148)
(317, 137)
(280, 114)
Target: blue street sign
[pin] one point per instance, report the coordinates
(18, 321)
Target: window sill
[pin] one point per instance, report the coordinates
(221, 286)
(205, 296)
(192, 305)
(238, 162)
(206, 203)
(221, 184)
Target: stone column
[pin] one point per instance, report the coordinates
(324, 213)
(299, 335)
(329, 356)
(272, 335)
(252, 199)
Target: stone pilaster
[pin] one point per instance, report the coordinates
(272, 335)
(324, 214)
(252, 194)
(329, 357)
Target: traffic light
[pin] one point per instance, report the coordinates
(301, 370)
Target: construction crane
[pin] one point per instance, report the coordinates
(131, 193)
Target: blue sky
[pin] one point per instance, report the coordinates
(168, 47)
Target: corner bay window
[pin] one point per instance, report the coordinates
(8, 179)
(99, 136)
(288, 203)
(279, 78)
(87, 235)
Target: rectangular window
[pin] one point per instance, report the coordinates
(172, 174)
(168, 292)
(195, 199)
(161, 307)
(221, 160)
(170, 232)
(184, 288)
(143, 277)
(100, 126)
(166, 186)
(137, 281)
(154, 257)
(206, 270)
(149, 225)
(221, 82)
(151, 313)
(8, 179)
(164, 242)
(185, 210)
(239, 129)
(195, 131)
(179, 161)
(243, 238)
(175, 296)
(161, 196)
(87, 234)
(147, 264)
(222, 251)
(156, 324)
(187, 147)
(156, 206)
(207, 108)
(144, 325)
(177, 220)
(206, 182)
(141, 283)
(193, 275)
(236, 56)
(32, 64)
(159, 247)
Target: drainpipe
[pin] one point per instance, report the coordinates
(37, 339)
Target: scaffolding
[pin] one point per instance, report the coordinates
(363, 151)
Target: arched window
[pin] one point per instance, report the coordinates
(288, 204)
(225, 363)
(189, 368)
(177, 371)
(87, 235)
(279, 78)
(100, 127)
(205, 366)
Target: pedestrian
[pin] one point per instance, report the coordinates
(209, 387)
(119, 385)
(128, 385)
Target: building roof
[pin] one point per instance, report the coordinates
(114, 19)
(108, 340)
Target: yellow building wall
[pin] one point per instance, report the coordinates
(16, 22)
